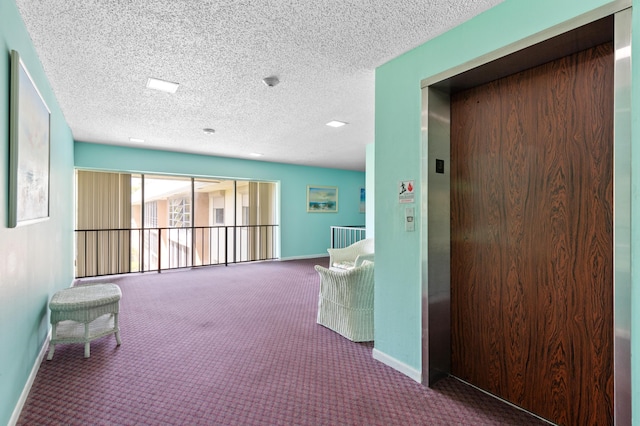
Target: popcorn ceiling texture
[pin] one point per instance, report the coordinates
(98, 55)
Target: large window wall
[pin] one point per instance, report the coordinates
(175, 222)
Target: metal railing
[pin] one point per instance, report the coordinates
(119, 251)
(343, 236)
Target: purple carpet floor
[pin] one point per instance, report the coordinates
(239, 345)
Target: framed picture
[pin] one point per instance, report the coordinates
(322, 199)
(363, 201)
(29, 139)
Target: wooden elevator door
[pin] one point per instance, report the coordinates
(532, 238)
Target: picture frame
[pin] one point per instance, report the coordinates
(363, 201)
(322, 199)
(29, 148)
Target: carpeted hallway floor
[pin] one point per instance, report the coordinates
(239, 345)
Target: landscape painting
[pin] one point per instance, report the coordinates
(28, 149)
(322, 199)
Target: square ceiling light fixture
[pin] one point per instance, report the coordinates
(336, 123)
(162, 85)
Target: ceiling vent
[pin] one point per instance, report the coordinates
(271, 81)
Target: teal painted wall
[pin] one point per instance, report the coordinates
(398, 153)
(35, 260)
(302, 234)
(371, 190)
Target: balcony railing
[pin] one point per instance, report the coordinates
(343, 236)
(118, 251)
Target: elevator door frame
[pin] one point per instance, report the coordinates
(435, 231)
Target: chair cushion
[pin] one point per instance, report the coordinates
(343, 265)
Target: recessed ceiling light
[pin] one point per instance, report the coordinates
(256, 154)
(136, 140)
(336, 123)
(162, 85)
(209, 131)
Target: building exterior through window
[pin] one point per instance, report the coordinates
(176, 222)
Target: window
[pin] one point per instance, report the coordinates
(245, 215)
(151, 214)
(219, 216)
(217, 208)
(174, 221)
(179, 212)
(244, 218)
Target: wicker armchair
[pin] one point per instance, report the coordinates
(351, 256)
(345, 303)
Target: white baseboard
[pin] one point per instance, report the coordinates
(27, 387)
(397, 365)
(310, 256)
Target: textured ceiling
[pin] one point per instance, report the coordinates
(98, 55)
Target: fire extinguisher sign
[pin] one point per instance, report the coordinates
(406, 191)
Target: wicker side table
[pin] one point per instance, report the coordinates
(85, 313)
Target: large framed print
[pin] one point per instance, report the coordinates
(322, 199)
(29, 145)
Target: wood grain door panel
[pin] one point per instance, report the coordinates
(532, 238)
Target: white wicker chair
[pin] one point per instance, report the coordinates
(345, 303)
(351, 256)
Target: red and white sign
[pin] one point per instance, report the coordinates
(406, 191)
